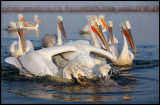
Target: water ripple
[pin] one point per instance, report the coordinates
(138, 64)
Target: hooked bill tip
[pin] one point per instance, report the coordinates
(79, 75)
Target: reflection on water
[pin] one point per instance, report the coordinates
(75, 93)
(126, 97)
(47, 88)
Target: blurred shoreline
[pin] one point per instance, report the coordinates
(76, 12)
(83, 9)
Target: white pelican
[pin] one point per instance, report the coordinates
(126, 56)
(86, 29)
(94, 22)
(96, 42)
(96, 72)
(112, 39)
(13, 26)
(69, 60)
(22, 46)
(39, 63)
(30, 25)
(101, 21)
(105, 28)
(70, 56)
(52, 40)
(82, 60)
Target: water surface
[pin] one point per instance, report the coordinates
(138, 84)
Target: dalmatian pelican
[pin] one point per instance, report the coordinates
(22, 46)
(13, 26)
(52, 40)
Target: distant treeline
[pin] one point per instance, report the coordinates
(83, 9)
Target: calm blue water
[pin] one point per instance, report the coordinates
(139, 84)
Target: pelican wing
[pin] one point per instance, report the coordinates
(114, 49)
(30, 24)
(58, 49)
(49, 40)
(131, 55)
(13, 61)
(40, 62)
(35, 64)
(12, 26)
(29, 46)
(100, 52)
(78, 41)
(13, 47)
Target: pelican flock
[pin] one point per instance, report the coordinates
(77, 60)
(13, 26)
(31, 25)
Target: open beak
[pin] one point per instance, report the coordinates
(20, 32)
(83, 80)
(111, 33)
(97, 29)
(128, 34)
(104, 23)
(60, 24)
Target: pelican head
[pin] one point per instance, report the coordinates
(36, 19)
(60, 26)
(104, 71)
(95, 26)
(84, 80)
(102, 22)
(125, 28)
(78, 75)
(20, 17)
(92, 19)
(60, 18)
(110, 29)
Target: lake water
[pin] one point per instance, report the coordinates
(139, 84)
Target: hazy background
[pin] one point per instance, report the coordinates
(76, 3)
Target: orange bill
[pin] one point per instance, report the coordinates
(104, 23)
(20, 32)
(79, 75)
(60, 24)
(99, 32)
(127, 33)
(111, 33)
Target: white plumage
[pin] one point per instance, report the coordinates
(39, 63)
(22, 46)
